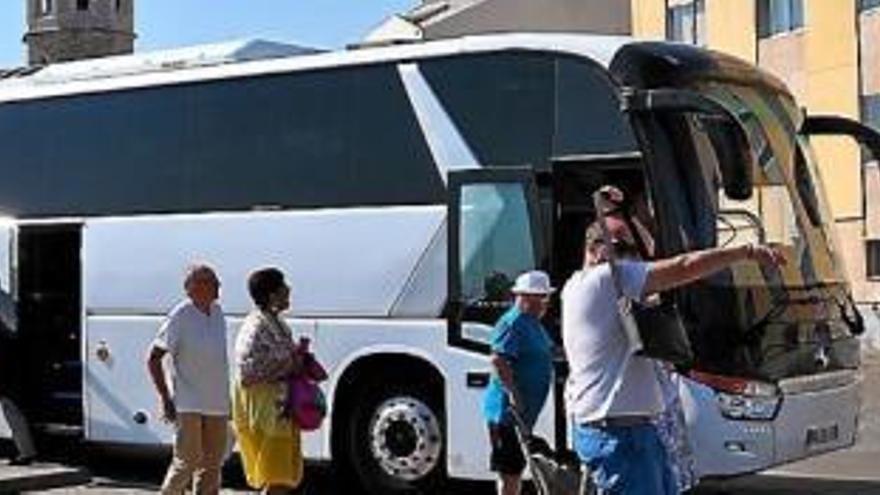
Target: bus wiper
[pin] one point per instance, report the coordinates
(755, 330)
(781, 300)
(845, 305)
(851, 316)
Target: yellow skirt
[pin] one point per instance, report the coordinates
(269, 445)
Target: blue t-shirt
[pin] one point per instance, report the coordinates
(522, 341)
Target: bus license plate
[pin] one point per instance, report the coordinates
(821, 435)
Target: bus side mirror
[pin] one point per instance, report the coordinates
(816, 125)
(735, 158)
(729, 138)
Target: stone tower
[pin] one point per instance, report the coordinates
(63, 30)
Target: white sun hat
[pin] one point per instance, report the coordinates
(534, 282)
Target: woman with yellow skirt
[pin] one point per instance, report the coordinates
(265, 356)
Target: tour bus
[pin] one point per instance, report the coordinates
(401, 189)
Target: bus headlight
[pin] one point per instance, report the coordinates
(735, 406)
(741, 398)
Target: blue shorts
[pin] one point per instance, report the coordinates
(627, 460)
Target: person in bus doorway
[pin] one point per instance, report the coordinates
(194, 336)
(265, 357)
(612, 395)
(523, 367)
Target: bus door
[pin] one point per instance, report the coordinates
(50, 324)
(494, 235)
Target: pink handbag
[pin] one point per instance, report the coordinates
(305, 402)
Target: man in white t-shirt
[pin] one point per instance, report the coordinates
(612, 394)
(194, 335)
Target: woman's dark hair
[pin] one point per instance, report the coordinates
(263, 283)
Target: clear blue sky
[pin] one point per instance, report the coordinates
(169, 23)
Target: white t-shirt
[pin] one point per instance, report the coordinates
(199, 365)
(605, 378)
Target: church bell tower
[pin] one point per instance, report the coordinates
(64, 30)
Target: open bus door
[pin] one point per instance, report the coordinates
(494, 235)
(48, 286)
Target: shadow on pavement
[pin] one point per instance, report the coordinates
(776, 485)
(115, 472)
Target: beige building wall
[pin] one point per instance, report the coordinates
(649, 18)
(730, 28)
(785, 56)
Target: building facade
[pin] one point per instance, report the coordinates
(64, 30)
(435, 19)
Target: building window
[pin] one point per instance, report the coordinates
(872, 257)
(82, 4)
(118, 5)
(870, 116)
(779, 16)
(686, 22)
(868, 4)
(46, 6)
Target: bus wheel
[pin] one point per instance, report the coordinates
(397, 441)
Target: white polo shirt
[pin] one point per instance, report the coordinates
(199, 365)
(605, 378)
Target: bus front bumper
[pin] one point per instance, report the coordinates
(816, 414)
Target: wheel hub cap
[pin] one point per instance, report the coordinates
(405, 438)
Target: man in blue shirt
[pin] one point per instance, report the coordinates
(523, 369)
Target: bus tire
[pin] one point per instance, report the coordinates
(396, 440)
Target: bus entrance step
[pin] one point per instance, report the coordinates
(59, 429)
(40, 476)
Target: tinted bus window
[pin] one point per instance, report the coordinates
(333, 138)
(501, 103)
(523, 108)
(588, 117)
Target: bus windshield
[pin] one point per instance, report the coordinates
(749, 320)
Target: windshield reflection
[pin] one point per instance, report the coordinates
(751, 320)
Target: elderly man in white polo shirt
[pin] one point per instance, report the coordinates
(194, 335)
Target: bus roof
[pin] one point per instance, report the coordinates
(69, 78)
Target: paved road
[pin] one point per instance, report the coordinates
(854, 471)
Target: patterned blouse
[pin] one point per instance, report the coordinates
(263, 348)
(672, 429)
